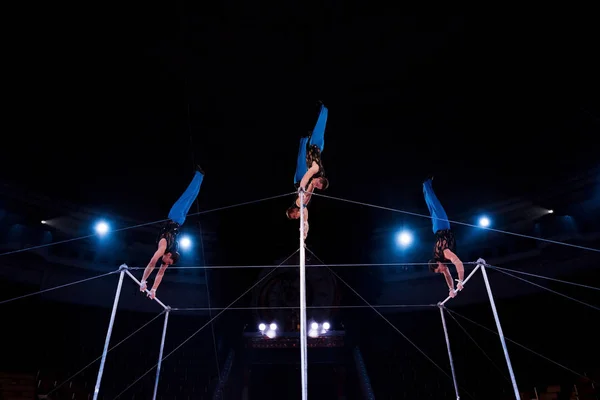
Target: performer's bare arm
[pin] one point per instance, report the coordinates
(460, 269)
(449, 280)
(309, 174)
(158, 279)
(162, 247)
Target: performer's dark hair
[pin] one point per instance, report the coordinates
(175, 257)
(432, 265)
(288, 212)
(325, 182)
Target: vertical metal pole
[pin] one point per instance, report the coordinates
(500, 333)
(160, 353)
(110, 328)
(449, 351)
(303, 340)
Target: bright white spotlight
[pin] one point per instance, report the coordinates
(550, 211)
(270, 334)
(185, 243)
(262, 327)
(101, 228)
(314, 326)
(484, 222)
(326, 325)
(43, 222)
(405, 238)
(273, 326)
(313, 333)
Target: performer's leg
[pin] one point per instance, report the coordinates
(438, 215)
(301, 162)
(182, 206)
(318, 134)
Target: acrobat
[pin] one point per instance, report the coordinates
(310, 174)
(167, 251)
(445, 244)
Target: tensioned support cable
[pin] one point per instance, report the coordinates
(542, 277)
(550, 290)
(459, 223)
(206, 324)
(523, 347)
(307, 307)
(307, 265)
(57, 287)
(479, 347)
(143, 224)
(100, 356)
(386, 320)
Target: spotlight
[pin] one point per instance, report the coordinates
(262, 327)
(484, 222)
(273, 326)
(185, 242)
(43, 221)
(405, 238)
(326, 325)
(550, 211)
(101, 228)
(314, 326)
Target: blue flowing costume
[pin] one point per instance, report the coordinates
(316, 138)
(437, 212)
(182, 205)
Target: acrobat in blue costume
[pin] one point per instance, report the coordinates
(317, 138)
(167, 251)
(445, 244)
(310, 174)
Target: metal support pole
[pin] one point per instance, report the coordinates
(449, 351)
(146, 291)
(122, 268)
(464, 283)
(303, 339)
(500, 333)
(160, 353)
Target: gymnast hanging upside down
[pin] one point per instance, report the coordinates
(310, 174)
(167, 243)
(445, 244)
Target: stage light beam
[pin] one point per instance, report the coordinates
(405, 238)
(102, 228)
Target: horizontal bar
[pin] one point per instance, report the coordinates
(464, 283)
(147, 291)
